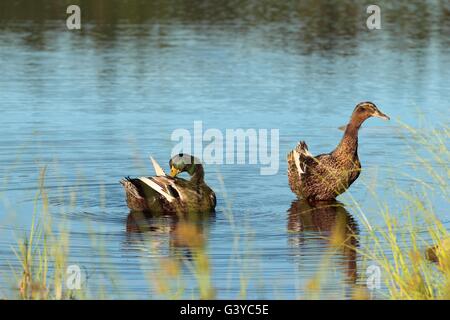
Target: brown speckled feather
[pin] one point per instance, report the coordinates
(325, 176)
(297, 159)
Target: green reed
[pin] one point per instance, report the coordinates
(399, 247)
(42, 254)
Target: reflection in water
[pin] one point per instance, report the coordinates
(310, 25)
(186, 239)
(332, 222)
(182, 234)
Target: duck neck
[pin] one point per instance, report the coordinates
(349, 142)
(198, 174)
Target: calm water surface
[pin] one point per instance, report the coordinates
(92, 105)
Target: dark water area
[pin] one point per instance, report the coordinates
(91, 105)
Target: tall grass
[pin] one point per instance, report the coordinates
(401, 246)
(42, 254)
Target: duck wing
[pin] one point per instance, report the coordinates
(298, 161)
(197, 197)
(152, 187)
(158, 170)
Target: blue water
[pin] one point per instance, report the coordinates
(91, 107)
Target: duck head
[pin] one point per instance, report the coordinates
(365, 110)
(184, 163)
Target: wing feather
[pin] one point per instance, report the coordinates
(158, 170)
(157, 187)
(297, 165)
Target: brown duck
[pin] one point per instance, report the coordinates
(324, 177)
(169, 194)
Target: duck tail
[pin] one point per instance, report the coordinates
(129, 187)
(302, 149)
(296, 159)
(296, 168)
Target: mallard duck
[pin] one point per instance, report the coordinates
(169, 194)
(324, 177)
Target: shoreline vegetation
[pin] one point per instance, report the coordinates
(414, 258)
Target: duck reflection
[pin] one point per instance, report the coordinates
(329, 222)
(183, 234)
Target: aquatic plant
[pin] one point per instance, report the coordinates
(399, 246)
(42, 254)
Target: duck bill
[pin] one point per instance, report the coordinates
(174, 172)
(381, 115)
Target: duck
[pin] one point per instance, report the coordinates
(326, 176)
(169, 194)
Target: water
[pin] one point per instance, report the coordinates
(92, 105)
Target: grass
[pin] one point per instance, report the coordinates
(398, 246)
(42, 255)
